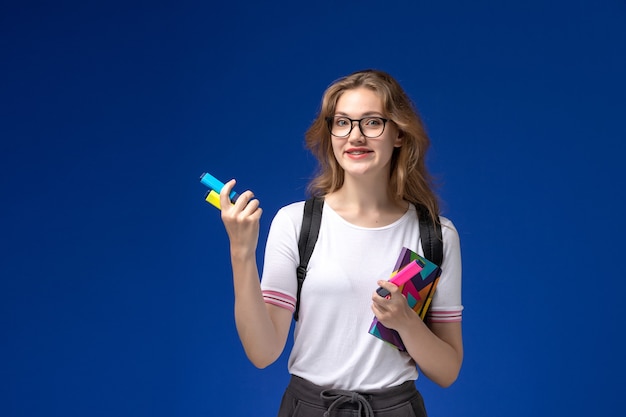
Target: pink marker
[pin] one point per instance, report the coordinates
(403, 276)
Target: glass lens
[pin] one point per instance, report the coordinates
(372, 126)
(340, 126)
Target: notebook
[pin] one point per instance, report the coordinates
(418, 290)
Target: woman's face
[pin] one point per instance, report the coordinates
(357, 154)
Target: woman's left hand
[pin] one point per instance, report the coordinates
(392, 311)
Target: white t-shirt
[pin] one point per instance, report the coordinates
(332, 345)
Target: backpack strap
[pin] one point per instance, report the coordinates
(431, 236)
(311, 221)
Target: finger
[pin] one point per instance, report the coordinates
(257, 214)
(243, 200)
(251, 206)
(375, 310)
(225, 193)
(378, 310)
(385, 289)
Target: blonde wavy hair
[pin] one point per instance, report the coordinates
(409, 179)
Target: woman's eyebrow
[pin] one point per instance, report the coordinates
(366, 114)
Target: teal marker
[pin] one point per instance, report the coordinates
(217, 185)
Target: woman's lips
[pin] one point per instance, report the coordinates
(359, 151)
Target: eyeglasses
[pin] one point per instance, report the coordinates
(370, 127)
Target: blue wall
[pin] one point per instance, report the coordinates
(116, 296)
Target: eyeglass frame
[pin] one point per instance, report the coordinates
(329, 119)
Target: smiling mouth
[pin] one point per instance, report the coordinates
(357, 152)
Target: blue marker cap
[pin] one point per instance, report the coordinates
(217, 185)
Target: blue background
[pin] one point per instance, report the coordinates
(116, 295)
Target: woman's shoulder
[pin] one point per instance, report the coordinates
(292, 213)
(446, 222)
(448, 230)
(292, 208)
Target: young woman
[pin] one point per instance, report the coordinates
(371, 145)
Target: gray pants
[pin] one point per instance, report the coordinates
(304, 399)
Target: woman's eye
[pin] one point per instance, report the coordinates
(373, 122)
(341, 122)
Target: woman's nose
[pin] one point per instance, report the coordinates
(355, 134)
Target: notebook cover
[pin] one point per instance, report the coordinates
(418, 292)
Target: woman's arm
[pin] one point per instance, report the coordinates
(262, 328)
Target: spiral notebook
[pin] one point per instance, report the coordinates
(418, 291)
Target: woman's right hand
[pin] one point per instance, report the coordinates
(241, 220)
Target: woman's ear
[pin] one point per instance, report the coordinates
(398, 142)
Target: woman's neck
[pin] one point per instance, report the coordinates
(366, 206)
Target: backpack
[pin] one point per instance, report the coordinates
(430, 236)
